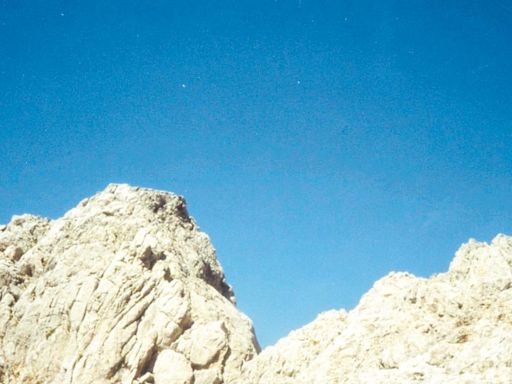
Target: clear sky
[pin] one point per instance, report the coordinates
(320, 144)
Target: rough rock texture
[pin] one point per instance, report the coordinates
(125, 289)
(122, 289)
(455, 327)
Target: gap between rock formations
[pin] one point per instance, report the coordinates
(124, 288)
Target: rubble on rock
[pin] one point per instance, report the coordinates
(125, 289)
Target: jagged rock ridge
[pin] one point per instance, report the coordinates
(125, 289)
(455, 327)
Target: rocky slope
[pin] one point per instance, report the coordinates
(455, 327)
(125, 289)
(122, 289)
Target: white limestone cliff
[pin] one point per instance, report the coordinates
(124, 288)
(455, 327)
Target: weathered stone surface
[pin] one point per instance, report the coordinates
(125, 289)
(204, 343)
(455, 327)
(172, 368)
(208, 376)
(111, 291)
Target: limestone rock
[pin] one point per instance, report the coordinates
(172, 368)
(455, 327)
(21, 234)
(123, 289)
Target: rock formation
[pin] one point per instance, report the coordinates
(455, 327)
(125, 289)
(122, 289)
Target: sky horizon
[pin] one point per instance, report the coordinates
(320, 144)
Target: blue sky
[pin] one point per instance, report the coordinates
(320, 144)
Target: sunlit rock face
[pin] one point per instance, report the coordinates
(455, 327)
(125, 289)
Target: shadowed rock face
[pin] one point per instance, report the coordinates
(125, 289)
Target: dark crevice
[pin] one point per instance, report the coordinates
(158, 204)
(181, 210)
(149, 363)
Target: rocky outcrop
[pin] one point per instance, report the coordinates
(455, 327)
(123, 289)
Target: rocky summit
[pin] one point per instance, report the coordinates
(124, 288)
